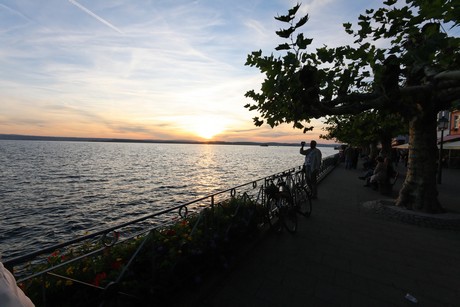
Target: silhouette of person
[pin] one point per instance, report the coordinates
(312, 165)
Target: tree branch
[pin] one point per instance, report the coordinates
(360, 103)
(416, 89)
(447, 96)
(448, 75)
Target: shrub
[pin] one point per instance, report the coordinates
(151, 266)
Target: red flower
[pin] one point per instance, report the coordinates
(54, 257)
(99, 277)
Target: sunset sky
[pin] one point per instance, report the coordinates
(159, 69)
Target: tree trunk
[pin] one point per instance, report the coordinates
(419, 191)
(386, 145)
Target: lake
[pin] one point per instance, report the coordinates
(54, 191)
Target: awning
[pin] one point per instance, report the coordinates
(402, 146)
(451, 137)
(451, 145)
(446, 145)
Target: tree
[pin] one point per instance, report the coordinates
(415, 76)
(366, 129)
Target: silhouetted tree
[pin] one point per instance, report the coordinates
(416, 76)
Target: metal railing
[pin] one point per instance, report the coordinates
(29, 267)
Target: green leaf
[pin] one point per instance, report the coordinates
(257, 122)
(298, 125)
(364, 18)
(365, 28)
(294, 10)
(346, 25)
(301, 22)
(285, 33)
(325, 54)
(284, 18)
(284, 46)
(390, 2)
(302, 42)
(290, 59)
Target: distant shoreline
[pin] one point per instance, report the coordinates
(18, 137)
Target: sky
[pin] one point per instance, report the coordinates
(151, 69)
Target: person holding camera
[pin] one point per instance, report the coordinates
(312, 164)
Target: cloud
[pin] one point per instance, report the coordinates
(11, 19)
(97, 17)
(174, 61)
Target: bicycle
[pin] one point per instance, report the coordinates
(281, 209)
(302, 194)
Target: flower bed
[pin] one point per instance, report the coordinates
(149, 267)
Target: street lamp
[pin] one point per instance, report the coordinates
(442, 125)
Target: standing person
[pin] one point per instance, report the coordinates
(348, 157)
(312, 164)
(356, 154)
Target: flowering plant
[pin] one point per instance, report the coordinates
(153, 265)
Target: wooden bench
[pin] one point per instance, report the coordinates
(386, 188)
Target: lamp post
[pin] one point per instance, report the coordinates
(442, 125)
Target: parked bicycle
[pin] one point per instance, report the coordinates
(302, 194)
(287, 195)
(280, 208)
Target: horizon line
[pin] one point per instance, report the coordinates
(20, 137)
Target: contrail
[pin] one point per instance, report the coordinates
(84, 9)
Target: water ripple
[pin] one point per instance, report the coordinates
(54, 191)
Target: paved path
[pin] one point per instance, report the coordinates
(346, 255)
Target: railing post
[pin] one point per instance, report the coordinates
(109, 236)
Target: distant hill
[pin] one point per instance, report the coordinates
(19, 137)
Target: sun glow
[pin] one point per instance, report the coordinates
(207, 127)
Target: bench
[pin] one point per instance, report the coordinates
(386, 188)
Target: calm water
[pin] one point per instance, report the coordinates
(54, 191)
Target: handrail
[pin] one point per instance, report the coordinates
(252, 187)
(25, 258)
(28, 257)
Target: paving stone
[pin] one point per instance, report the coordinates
(386, 293)
(333, 261)
(352, 282)
(439, 293)
(321, 272)
(338, 296)
(353, 251)
(360, 300)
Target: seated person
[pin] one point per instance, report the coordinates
(368, 163)
(369, 167)
(379, 174)
(367, 175)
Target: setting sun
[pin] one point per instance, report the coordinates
(207, 127)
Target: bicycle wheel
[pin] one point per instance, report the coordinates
(273, 213)
(303, 201)
(288, 215)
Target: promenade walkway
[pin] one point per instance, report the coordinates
(346, 254)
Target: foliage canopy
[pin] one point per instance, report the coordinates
(421, 60)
